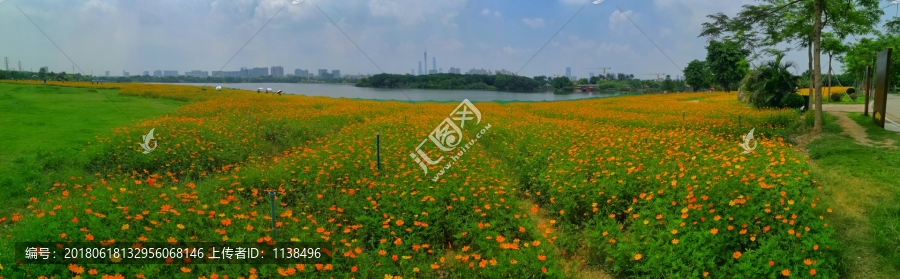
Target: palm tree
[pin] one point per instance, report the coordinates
(766, 85)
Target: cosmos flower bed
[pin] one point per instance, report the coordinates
(646, 186)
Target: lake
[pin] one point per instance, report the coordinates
(350, 91)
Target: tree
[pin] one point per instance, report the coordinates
(768, 84)
(832, 45)
(781, 21)
(42, 73)
(582, 81)
(723, 60)
(697, 75)
(561, 82)
(668, 84)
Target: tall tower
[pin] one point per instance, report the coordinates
(569, 72)
(426, 59)
(433, 63)
(6, 62)
(20, 65)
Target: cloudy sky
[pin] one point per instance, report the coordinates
(182, 35)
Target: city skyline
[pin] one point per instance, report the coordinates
(470, 34)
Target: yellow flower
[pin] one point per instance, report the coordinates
(180, 226)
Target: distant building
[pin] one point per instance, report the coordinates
(301, 73)
(420, 68)
(591, 74)
(197, 73)
(434, 64)
(431, 72)
(47, 69)
(569, 72)
(277, 71)
(146, 73)
(107, 73)
(168, 73)
(157, 73)
(323, 73)
(412, 71)
(441, 70)
(336, 73)
(481, 71)
(454, 70)
(504, 72)
(125, 74)
(227, 74)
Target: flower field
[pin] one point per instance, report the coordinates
(638, 186)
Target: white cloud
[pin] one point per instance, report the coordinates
(449, 19)
(409, 12)
(509, 50)
(486, 11)
(665, 31)
(534, 22)
(497, 13)
(618, 19)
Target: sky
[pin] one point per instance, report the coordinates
(391, 35)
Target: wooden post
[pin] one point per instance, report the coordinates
(868, 81)
(378, 148)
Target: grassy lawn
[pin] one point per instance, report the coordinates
(860, 184)
(43, 125)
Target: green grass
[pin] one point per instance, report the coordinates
(43, 128)
(862, 188)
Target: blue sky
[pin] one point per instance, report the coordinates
(182, 35)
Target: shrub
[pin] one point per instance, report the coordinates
(836, 97)
(853, 96)
(793, 100)
(851, 90)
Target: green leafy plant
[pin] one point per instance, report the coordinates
(837, 97)
(766, 85)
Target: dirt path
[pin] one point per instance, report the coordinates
(575, 266)
(856, 131)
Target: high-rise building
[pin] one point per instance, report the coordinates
(431, 72)
(434, 63)
(569, 72)
(323, 73)
(412, 72)
(441, 70)
(426, 59)
(107, 73)
(420, 68)
(591, 74)
(168, 73)
(125, 74)
(277, 71)
(47, 69)
(453, 70)
(336, 73)
(157, 73)
(301, 73)
(146, 73)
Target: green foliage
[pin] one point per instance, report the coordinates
(837, 97)
(453, 81)
(861, 54)
(853, 96)
(727, 62)
(793, 100)
(697, 75)
(851, 90)
(766, 85)
(561, 82)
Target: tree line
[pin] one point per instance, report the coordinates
(610, 82)
(63, 76)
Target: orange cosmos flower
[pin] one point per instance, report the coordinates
(637, 257)
(737, 254)
(786, 272)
